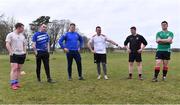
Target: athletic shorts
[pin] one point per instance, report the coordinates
(100, 58)
(163, 55)
(135, 57)
(19, 59)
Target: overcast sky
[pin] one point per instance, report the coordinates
(114, 16)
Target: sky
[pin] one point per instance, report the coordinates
(114, 16)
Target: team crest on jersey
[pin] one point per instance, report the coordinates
(137, 38)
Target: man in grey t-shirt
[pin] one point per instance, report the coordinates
(16, 46)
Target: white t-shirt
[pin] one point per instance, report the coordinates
(99, 43)
(17, 42)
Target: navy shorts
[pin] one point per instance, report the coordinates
(163, 55)
(100, 58)
(19, 59)
(135, 57)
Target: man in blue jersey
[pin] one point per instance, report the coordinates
(73, 44)
(41, 48)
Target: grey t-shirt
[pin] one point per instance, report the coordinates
(17, 43)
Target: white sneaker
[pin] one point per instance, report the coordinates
(99, 77)
(105, 77)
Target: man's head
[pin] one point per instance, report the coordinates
(98, 30)
(72, 27)
(133, 30)
(164, 25)
(19, 27)
(43, 28)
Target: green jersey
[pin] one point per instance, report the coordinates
(164, 35)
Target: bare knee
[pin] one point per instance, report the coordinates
(130, 63)
(139, 64)
(158, 63)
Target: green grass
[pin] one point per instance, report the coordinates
(116, 90)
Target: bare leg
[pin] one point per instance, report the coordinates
(130, 69)
(139, 67)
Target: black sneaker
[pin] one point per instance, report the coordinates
(130, 77)
(38, 79)
(81, 78)
(154, 80)
(51, 81)
(141, 78)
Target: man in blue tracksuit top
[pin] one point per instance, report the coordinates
(73, 44)
(41, 48)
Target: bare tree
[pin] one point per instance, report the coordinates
(6, 26)
(55, 29)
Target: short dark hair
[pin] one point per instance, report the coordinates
(164, 22)
(72, 24)
(18, 25)
(133, 28)
(98, 27)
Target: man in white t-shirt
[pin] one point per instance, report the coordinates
(98, 42)
(16, 46)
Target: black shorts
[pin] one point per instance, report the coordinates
(100, 58)
(19, 59)
(163, 55)
(135, 56)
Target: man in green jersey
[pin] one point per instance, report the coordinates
(164, 40)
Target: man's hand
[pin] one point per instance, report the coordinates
(66, 50)
(35, 52)
(158, 40)
(129, 51)
(79, 49)
(119, 47)
(92, 51)
(10, 53)
(140, 51)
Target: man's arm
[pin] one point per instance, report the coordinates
(8, 46)
(126, 44)
(34, 48)
(48, 47)
(80, 41)
(89, 45)
(168, 40)
(25, 45)
(61, 40)
(143, 45)
(111, 41)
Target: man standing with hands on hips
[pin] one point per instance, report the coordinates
(136, 45)
(73, 44)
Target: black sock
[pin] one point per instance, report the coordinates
(130, 74)
(156, 73)
(164, 73)
(140, 75)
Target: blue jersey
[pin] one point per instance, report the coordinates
(41, 39)
(73, 41)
